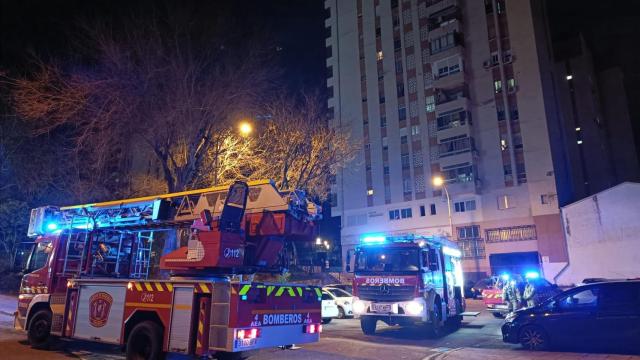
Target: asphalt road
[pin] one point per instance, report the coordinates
(479, 338)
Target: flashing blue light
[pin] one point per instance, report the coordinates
(52, 226)
(505, 277)
(374, 239)
(532, 275)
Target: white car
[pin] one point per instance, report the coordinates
(343, 299)
(329, 308)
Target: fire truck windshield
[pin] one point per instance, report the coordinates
(39, 256)
(387, 260)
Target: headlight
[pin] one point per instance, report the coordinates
(414, 308)
(359, 307)
(510, 317)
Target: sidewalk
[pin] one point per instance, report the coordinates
(491, 354)
(8, 304)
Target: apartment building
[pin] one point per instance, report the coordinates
(451, 88)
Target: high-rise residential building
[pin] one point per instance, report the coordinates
(593, 147)
(451, 88)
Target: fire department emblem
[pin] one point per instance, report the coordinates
(99, 307)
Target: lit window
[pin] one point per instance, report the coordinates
(430, 103)
(569, 77)
(406, 213)
(415, 130)
(497, 85)
(370, 192)
(579, 142)
(379, 56)
(577, 129)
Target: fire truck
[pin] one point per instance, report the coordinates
(91, 273)
(408, 280)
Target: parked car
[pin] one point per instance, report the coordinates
(474, 290)
(346, 287)
(601, 314)
(343, 299)
(329, 308)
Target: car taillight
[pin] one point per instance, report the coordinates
(252, 333)
(313, 328)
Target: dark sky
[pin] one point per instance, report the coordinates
(46, 27)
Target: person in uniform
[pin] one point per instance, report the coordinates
(511, 295)
(530, 295)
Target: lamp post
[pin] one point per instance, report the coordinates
(438, 181)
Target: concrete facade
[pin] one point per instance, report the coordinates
(602, 235)
(451, 88)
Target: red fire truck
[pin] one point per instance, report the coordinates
(408, 280)
(90, 273)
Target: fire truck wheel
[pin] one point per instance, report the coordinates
(326, 320)
(434, 327)
(368, 325)
(145, 342)
(39, 334)
(498, 315)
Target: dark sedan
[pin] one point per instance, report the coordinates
(603, 314)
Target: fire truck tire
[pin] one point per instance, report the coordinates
(498, 315)
(145, 342)
(39, 334)
(326, 320)
(434, 326)
(368, 325)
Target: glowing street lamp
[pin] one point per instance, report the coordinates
(245, 128)
(438, 181)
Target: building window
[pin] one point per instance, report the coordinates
(417, 158)
(497, 86)
(406, 16)
(383, 122)
(415, 130)
(455, 145)
(511, 85)
(443, 43)
(450, 119)
(402, 112)
(430, 103)
(432, 209)
(513, 233)
(370, 192)
(406, 213)
(386, 170)
(333, 199)
(385, 143)
(424, 33)
(404, 160)
(458, 173)
(425, 56)
(403, 139)
(545, 199)
(506, 201)
(379, 56)
(423, 211)
(468, 232)
(448, 66)
(465, 206)
(408, 39)
(422, 11)
(428, 79)
(472, 249)
(394, 214)
(400, 90)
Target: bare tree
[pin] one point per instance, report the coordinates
(150, 92)
(299, 149)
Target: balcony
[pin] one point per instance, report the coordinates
(444, 17)
(444, 96)
(456, 145)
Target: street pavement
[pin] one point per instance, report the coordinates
(479, 338)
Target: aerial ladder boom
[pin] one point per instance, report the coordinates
(242, 228)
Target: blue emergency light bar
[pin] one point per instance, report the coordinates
(531, 275)
(374, 239)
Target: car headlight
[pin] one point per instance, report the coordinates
(414, 308)
(510, 317)
(359, 307)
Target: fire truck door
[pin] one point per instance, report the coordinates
(100, 311)
(181, 319)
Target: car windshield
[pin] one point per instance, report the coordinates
(339, 293)
(387, 260)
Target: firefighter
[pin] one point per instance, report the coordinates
(529, 296)
(511, 295)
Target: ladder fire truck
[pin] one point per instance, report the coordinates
(90, 275)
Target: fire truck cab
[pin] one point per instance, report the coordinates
(408, 280)
(90, 276)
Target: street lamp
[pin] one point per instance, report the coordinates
(438, 181)
(318, 241)
(245, 128)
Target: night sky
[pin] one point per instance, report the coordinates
(45, 28)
